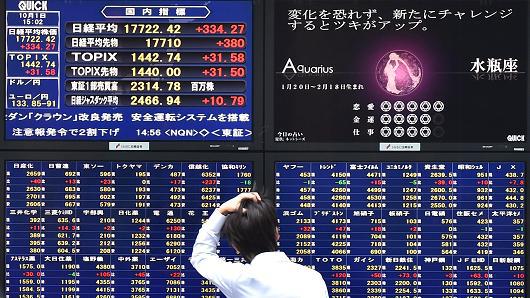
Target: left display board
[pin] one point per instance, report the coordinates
(81, 224)
(178, 75)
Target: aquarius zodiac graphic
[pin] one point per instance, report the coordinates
(399, 72)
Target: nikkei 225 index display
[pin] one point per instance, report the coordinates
(149, 70)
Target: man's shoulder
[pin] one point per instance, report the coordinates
(305, 270)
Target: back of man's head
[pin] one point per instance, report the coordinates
(252, 229)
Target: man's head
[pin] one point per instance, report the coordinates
(252, 229)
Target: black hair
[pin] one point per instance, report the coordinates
(252, 228)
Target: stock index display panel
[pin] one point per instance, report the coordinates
(129, 71)
(406, 228)
(345, 75)
(113, 228)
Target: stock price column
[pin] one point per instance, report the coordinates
(491, 222)
(209, 184)
(314, 227)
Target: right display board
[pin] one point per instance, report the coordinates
(397, 75)
(383, 226)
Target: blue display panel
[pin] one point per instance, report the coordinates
(407, 229)
(129, 70)
(112, 228)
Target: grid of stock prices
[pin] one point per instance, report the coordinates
(112, 229)
(367, 93)
(415, 229)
